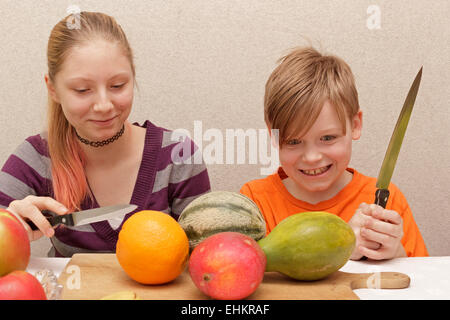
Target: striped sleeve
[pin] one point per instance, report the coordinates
(186, 173)
(25, 172)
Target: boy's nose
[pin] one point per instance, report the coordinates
(312, 155)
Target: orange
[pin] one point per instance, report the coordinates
(152, 247)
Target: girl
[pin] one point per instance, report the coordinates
(92, 156)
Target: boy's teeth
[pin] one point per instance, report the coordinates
(316, 171)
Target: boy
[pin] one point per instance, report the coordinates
(311, 99)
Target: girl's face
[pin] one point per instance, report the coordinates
(95, 89)
(316, 161)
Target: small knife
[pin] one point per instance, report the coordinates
(387, 168)
(80, 218)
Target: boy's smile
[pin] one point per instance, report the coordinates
(316, 163)
(315, 172)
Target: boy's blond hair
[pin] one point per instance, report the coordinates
(297, 89)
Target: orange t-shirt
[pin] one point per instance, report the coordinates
(276, 203)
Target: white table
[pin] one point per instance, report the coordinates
(430, 277)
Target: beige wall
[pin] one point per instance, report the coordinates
(209, 60)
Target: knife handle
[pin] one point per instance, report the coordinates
(66, 219)
(381, 197)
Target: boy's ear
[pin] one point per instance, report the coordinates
(357, 125)
(51, 88)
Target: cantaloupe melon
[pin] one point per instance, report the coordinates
(221, 211)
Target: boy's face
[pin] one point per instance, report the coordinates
(316, 162)
(95, 88)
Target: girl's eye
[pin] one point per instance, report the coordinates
(293, 142)
(81, 90)
(118, 86)
(327, 138)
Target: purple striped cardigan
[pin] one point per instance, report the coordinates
(161, 184)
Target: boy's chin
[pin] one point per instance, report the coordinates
(317, 189)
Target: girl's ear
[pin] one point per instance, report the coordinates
(51, 88)
(357, 125)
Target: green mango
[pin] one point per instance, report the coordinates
(308, 245)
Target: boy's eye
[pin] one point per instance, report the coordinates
(327, 138)
(293, 142)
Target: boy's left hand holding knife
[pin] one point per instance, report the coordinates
(378, 233)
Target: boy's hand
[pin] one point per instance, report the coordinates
(384, 227)
(357, 222)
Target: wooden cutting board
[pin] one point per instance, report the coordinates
(99, 275)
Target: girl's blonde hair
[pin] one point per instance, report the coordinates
(299, 86)
(69, 181)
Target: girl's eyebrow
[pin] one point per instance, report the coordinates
(90, 80)
(78, 78)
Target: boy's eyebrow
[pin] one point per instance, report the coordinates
(339, 128)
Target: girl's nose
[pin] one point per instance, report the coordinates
(103, 103)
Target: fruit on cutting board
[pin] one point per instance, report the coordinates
(227, 266)
(308, 245)
(221, 211)
(152, 247)
(121, 295)
(21, 285)
(14, 244)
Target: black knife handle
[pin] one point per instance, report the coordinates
(66, 219)
(381, 197)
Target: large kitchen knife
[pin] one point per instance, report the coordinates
(387, 168)
(80, 218)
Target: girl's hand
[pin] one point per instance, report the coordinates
(30, 208)
(357, 222)
(384, 227)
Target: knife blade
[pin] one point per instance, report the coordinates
(83, 217)
(390, 158)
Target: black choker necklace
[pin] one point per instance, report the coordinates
(101, 143)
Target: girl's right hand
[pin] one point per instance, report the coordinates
(30, 208)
